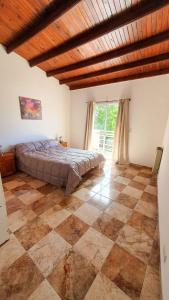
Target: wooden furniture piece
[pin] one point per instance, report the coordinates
(7, 164)
(64, 144)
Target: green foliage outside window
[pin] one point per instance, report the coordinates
(100, 117)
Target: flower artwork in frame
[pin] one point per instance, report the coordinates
(30, 109)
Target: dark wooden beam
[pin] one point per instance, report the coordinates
(120, 79)
(125, 17)
(155, 39)
(51, 13)
(121, 67)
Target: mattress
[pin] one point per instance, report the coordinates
(49, 161)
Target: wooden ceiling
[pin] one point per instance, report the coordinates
(89, 42)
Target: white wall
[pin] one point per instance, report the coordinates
(18, 79)
(149, 109)
(163, 203)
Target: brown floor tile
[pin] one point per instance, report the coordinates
(122, 241)
(125, 270)
(20, 190)
(127, 175)
(137, 185)
(126, 200)
(154, 260)
(41, 205)
(71, 203)
(13, 184)
(142, 223)
(46, 189)
(72, 277)
(13, 205)
(72, 229)
(108, 226)
(149, 198)
(32, 232)
(143, 174)
(20, 279)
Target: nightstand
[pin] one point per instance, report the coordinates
(64, 144)
(7, 164)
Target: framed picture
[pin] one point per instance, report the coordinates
(30, 109)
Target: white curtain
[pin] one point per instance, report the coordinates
(122, 133)
(89, 125)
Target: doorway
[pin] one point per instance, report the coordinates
(104, 128)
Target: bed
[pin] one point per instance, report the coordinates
(48, 161)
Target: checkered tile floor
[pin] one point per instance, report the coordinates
(101, 242)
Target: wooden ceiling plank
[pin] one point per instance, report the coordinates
(117, 68)
(51, 13)
(158, 38)
(151, 73)
(127, 16)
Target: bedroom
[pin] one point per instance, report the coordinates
(85, 236)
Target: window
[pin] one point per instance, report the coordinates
(104, 127)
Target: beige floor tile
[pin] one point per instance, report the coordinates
(100, 201)
(30, 197)
(136, 242)
(94, 246)
(122, 180)
(104, 289)
(9, 195)
(146, 209)
(83, 194)
(151, 189)
(109, 192)
(119, 211)
(20, 218)
(55, 215)
(48, 251)
(133, 192)
(141, 179)
(151, 288)
(44, 292)
(88, 213)
(10, 252)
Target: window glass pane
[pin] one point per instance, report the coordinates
(100, 116)
(112, 110)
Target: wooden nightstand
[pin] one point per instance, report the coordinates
(7, 164)
(64, 144)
